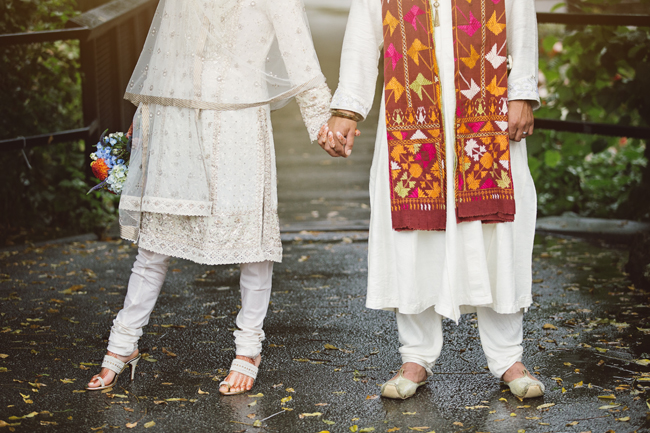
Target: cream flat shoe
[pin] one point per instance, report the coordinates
(526, 387)
(400, 388)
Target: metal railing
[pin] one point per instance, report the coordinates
(111, 37)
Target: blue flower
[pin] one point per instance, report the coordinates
(113, 141)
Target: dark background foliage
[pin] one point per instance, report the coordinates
(595, 74)
(40, 92)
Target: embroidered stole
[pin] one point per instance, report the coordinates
(414, 116)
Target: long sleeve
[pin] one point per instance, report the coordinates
(360, 57)
(300, 60)
(521, 20)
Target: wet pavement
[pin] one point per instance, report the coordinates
(325, 353)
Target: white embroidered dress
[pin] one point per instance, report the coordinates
(202, 179)
(470, 264)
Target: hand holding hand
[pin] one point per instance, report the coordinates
(520, 119)
(337, 136)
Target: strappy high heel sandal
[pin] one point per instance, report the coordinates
(243, 367)
(116, 366)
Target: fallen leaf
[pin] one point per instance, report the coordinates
(545, 406)
(624, 419)
(600, 349)
(322, 404)
(176, 399)
(331, 347)
(607, 397)
(67, 380)
(258, 395)
(252, 404)
(642, 361)
(3, 356)
(150, 424)
(131, 424)
(572, 423)
(367, 430)
(290, 390)
(391, 430)
(419, 428)
(458, 423)
(354, 428)
(609, 406)
(286, 399)
(578, 385)
(168, 353)
(98, 428)
(203, 392)
(372, 397)
(409, 413)
(305, 415)
(328, 422)
(549, 326)
(257, 423)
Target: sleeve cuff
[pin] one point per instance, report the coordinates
(345, 101)
(524, 89)
(314, 106)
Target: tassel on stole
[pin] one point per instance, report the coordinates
(436, 17)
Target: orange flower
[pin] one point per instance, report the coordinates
(100, 170)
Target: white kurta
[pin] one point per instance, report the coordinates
(470, 264)
(205, 189)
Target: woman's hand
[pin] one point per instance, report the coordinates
(337, 136)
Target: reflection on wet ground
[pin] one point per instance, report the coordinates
(325, 353)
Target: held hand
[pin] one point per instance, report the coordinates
(337, 136)
(520, 119)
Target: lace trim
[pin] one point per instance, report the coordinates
(166, 205)
(345, 101)
(314, 106)
(524, 89)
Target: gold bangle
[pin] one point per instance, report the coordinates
(356, 117)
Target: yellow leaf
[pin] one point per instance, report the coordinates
(257, 423)
(607, 397)
(409, 413)
(328, 422)
(150, 424)
(131, 424)
(578, 385)
(3, 356)
(367, 430)
(67, 380)
(601, 350)
(252, 404)
(549, 326)
(513, 414)
(563, 390)
(503, 399)
(354, 428)
(391, 430)
(372, 397)
(176, 399)
(203, 392)
(98, 428)
(290, 390)
(286, 399)
(642, 361)
(331, 347)
(624, 419)
(545, 406)
(609, 406)
(256, 395)
(304, 415)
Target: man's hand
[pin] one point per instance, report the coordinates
(337, 136)
(520, 119)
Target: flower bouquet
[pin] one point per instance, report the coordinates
(110, 163)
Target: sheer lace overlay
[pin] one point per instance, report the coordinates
(202, 179)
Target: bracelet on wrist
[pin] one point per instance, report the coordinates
(356, 117)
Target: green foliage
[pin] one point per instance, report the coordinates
(594, 74)
(41, 90)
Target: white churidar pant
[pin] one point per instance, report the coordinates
(146, 280)
(501, 337)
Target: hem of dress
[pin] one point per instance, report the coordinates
(234, 257)
(448, 311)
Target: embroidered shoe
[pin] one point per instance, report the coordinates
(400, 387)
(526, 386)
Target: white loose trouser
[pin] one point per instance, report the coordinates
(146, 280)
(501, 337)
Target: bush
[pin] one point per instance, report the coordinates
(43, 84)
(595, 74)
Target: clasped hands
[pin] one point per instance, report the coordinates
(337, 136)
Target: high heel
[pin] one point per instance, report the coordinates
(116, 366)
